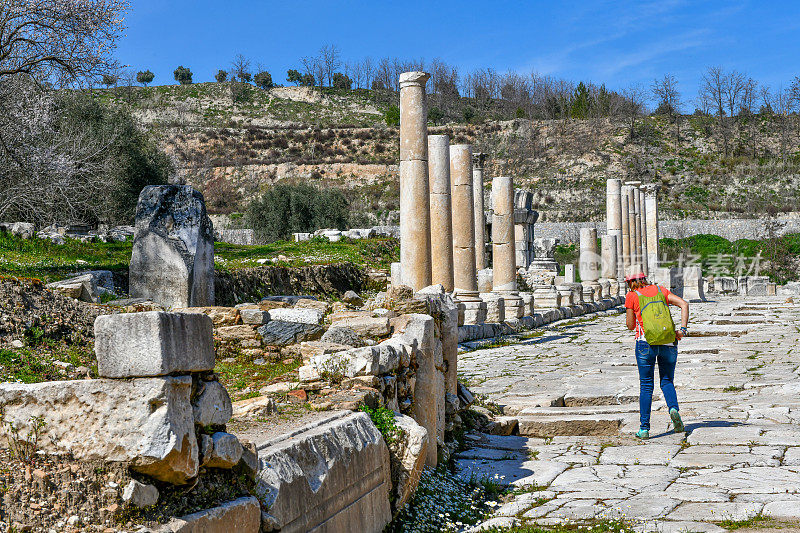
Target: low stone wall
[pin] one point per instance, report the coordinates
(731, 229)
(252, 284)
(235, 236)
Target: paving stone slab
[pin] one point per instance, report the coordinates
(725, 435)
(716, 512)
(649, 454)
(526, 473)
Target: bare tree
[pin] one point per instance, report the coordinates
(633, 107)
(669, 101)
(240, 69)
(59, 41)
(748, 111)
(713, 90)
(330, 61)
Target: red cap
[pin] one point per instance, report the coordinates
(634, 277)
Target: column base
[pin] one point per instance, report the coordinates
(566, 294)
(495, 307)
(515, 305)
(474, 312)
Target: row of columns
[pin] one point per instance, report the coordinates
(632, 224)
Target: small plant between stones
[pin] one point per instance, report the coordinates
(25, 447)
(383, 418)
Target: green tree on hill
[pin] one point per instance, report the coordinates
(183, 75)
(144, 77)
(110, 79)
(263, 80)
(294, 76)
(342, 81)
(221, 75)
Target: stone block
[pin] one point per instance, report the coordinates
(693, 284)
(300, 316)
(148, 422)
(242, 515)
(485, 280)
(140, 495)
(220, 450)
(281, 333)
(212, 405)
(408, 454)
(757, 285)
(172, 261)
(220, 316)
(153, 343)
(254, 317)
(495, 307)
(363, 323)
(331, 475)
(367, 361)
(726, 284)
(343, 335)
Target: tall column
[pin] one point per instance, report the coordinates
(608, 253)
(478, 160)
(632, 227)
(415, 236)
(465, 279)
(614, 218)
(651, 222)
(643, 224)
(441, 216)
(504, 270)
(626, 229)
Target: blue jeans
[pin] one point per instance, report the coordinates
(646, 356)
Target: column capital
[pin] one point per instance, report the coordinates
(635, 184)
(650, 189)
(478, 160)
(416, 78)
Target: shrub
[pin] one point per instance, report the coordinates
(383, 418)
(109, 80)
(342, 81)
(221, 75)
(393, 116)
(308, 80)
(294, 76)
(144, 77)
(263, 80)
(287, 209)
(183, 75)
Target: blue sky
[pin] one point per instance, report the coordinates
(611, 42)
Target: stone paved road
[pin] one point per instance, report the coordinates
(574, 391)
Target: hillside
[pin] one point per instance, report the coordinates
(338, 138)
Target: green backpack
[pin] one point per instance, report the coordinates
(656, 319)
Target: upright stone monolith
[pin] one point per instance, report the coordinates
(441, 212)
(415, 230)
(478, 161)
(465, 277)
(172, 262)
(651, 222)
(504, 281)
(614, 218)
(609, 270)
(633, 258)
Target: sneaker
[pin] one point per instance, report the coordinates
(677, 423)
(643, 434)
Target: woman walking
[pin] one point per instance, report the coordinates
(656, 342)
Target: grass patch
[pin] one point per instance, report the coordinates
(756, 521)
(598, 526)
(242, 377)
(733, 388)
(40, 258)
(35, 364)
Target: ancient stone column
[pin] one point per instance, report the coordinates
(415, 234)
(478, 160)
(504, 281)
(626, 229)
(643, 229)
(634, 236)
(651, 222)
(614, 218)
(441, 213)
(609, 270)
(465, 279)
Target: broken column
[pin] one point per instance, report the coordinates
(614, 218)
(524, 219)
(440, 214)
(504, 281)
(651, 223)
(172, 261)
(589, 266)
(478, 161)
(465, 278)
(415, 236)
(693, 284)
(609, 268)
